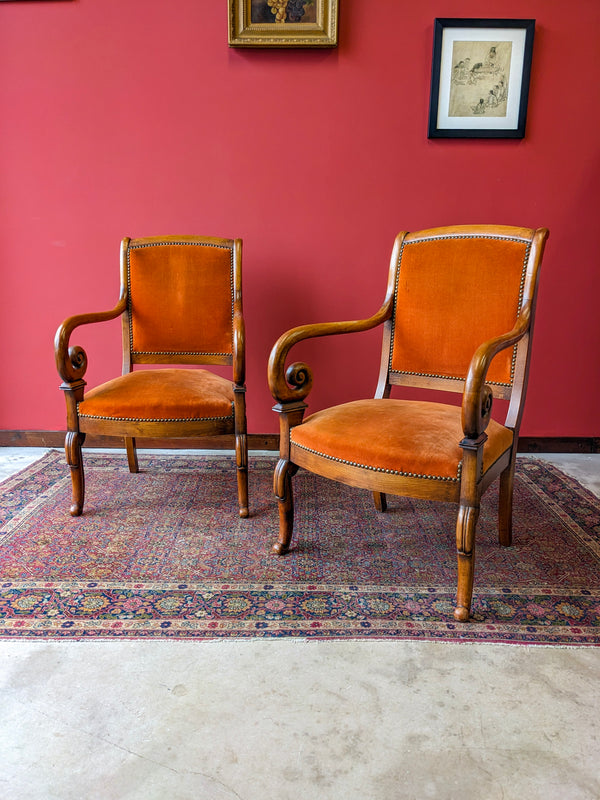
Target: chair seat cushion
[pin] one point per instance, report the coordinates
(411, 438)
(165, 395)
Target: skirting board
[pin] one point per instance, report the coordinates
(57, 439)
(267, 441)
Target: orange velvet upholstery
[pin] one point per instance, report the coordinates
(426, 339)
(161, 395)
(181, 307)
(415, 439)
(168, 283)
(457, 317)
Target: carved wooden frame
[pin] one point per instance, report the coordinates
(243, 32)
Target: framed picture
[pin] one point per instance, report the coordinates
(283, 23)
(480, 78)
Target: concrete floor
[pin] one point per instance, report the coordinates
(299, 720)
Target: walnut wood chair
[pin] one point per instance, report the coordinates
(180, 303)
(457, 317)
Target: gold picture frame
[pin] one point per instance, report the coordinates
(283, 23)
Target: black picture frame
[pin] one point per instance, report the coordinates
(480, 78)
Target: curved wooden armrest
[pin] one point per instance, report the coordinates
(71, 362)
(294, 384)
(477, 395)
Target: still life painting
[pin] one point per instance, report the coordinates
(283, 11)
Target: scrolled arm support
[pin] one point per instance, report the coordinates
(299, 376)
(477, 395)
(294, 383)
(71, 361)
(75, 365)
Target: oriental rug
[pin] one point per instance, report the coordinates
(164, 554)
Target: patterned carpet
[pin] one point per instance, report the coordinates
(164, 554)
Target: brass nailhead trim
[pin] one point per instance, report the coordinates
(381, 469)
(519, 304)
(445, 377)
(498, 237)
(153, 419)
(178, 244)
(175, 353)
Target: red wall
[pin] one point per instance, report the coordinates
(133, 117)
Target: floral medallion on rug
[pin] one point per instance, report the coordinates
(163, 553)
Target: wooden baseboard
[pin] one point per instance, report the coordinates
(267, 441)
(559, 444)
(57, 439)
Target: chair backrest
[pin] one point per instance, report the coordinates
(183, 298)
(453, 289)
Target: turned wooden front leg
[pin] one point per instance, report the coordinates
(282, 486)
(290, 414)
(468, 514)
(73, 442)
(465, 545)
(241, 448)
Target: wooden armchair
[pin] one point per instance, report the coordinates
(180, 303)
(457, 317)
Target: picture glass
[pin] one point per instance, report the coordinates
(266, 11)
(480, 78)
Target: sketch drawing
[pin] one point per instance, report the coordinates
(479, 80)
